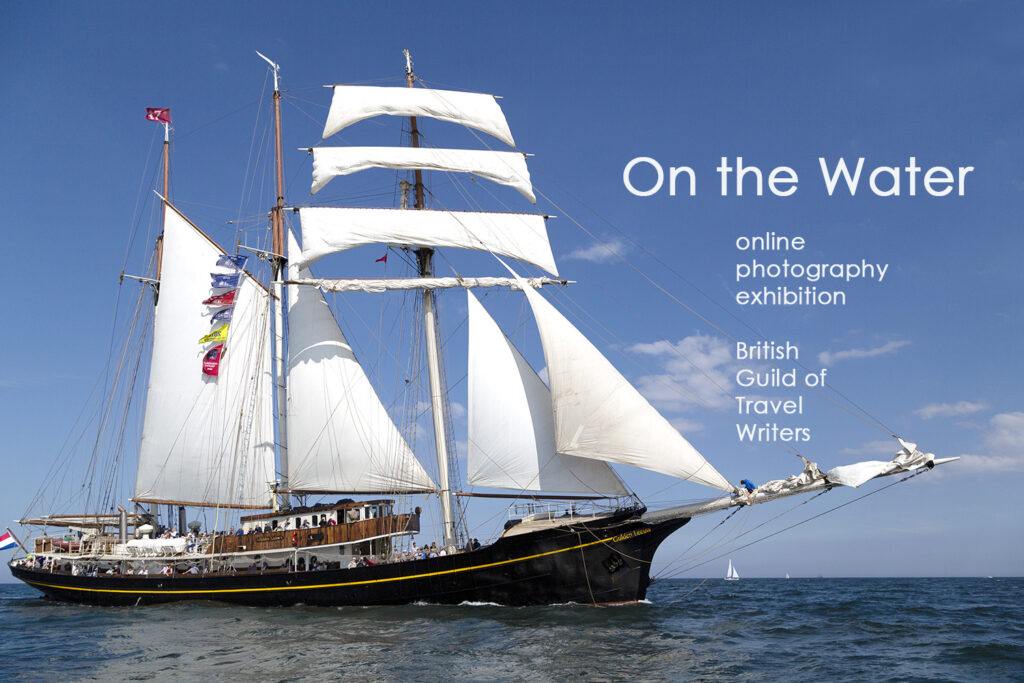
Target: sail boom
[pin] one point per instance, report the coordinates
(377, 285)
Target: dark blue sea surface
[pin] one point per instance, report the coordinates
(749, 630)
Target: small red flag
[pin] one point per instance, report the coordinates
(161, 115)
(225, 299)
(211, 361)
(383, 258)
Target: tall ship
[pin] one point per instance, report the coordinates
(271, 430)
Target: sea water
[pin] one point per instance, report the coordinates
(936, 629)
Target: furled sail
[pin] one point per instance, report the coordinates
(909, 457)
(352, 103)
(340, 436)
(511, 428)
(600, 415)
(206, 440)
(378, 285)
(504, 168)
(522, 236)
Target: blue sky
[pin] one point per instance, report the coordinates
(932, 351)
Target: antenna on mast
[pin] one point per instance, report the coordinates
(408, 63)
(273, 66)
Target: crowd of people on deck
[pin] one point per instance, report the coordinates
(195, 538)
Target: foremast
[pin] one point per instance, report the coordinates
(424, 260)
(279, 261)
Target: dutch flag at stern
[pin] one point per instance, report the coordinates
(7, 541)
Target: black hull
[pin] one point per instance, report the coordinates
(599, 562)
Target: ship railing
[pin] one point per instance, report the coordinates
(569, 509)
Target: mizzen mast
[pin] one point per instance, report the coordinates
(278, 263)
(424, 258)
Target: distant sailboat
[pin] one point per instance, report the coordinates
(731, 574)
(787, 575)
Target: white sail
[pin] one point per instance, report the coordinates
(206, 440)
(352, 103)
(378, 285)
(504, 168)
(522, 236)
(732, 575)
(908, 458)
(600, 415)
(340, 436)
(511, 427)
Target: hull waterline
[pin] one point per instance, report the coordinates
(598, 562)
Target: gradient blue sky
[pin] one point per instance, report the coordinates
(586, 87)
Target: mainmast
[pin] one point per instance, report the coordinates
(279, 260)
(424, 258)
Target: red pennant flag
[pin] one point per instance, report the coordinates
(225, 299)
(161, 115)
(211, 361)
(383, 258)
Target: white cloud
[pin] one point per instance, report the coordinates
(598, 253)
(697, 369)
(686, 426)
(988, 463)
(831, 357)
(880, 447)
(1002, 445)
(949, 409)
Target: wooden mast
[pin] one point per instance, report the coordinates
(279, 261)
(167, 196)
(424, 258)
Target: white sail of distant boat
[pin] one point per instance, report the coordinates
(787, 575)
(731, 574)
